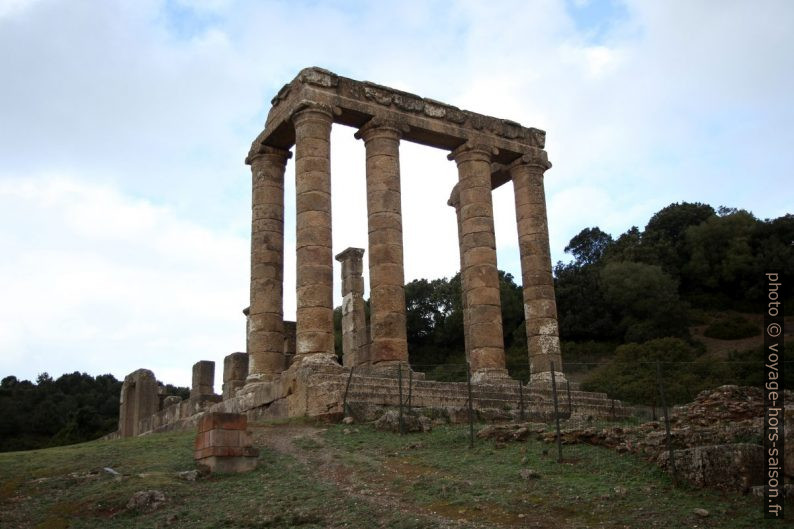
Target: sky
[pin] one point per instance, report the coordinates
(125, 202)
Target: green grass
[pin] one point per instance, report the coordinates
(434, 472)
(280, 493)
(483, 483)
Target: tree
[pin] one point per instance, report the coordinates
(664, 238)
(645, 301)
(631, 374)
(589, 245)
(721, 264)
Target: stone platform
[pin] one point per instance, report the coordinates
(320, 393)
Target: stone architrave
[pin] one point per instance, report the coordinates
(354, 332)
(314, 332)
(480, 276)
(454, 201)
(264, 325)
(139, 400)
(389, 343)
(540, 307)
(235, 370)
(203, 379)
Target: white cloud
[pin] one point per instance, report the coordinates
(96, 281)
(139, 256)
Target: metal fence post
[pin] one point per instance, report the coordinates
(400, 395)
(556, 413)
(410, 388)
(471, 409)
(347, 388)
(666, 422)
(521, 399)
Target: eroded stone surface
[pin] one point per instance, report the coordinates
(235, 371)
(203, 379)
(265, 317)
(355, 339)
(479, 273)
(223, 443)
(384, 216)
(139, 399)
(314, 280)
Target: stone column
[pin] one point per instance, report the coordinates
(265, 336)
(480, 276)
(314, 332)
(454, 201)
(354, 323)
(389, 344)
(540, 307)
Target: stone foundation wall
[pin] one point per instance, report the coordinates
(302, 391)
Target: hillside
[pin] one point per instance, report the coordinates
(314, 476)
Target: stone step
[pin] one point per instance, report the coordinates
(426, 384)
(480, 392)
(602, 409)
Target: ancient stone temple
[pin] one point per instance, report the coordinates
(290, 368)
(488, 152)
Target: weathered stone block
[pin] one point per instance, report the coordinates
(138, 401)
(203, 378)
(731, 466)
(226, 421)
(222, 443)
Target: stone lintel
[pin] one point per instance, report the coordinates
(421, 120)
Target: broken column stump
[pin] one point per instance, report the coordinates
(223, 443)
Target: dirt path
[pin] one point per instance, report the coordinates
(365, 483)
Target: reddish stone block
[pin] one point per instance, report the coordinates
(227, 421)
(202, 440)
(219, 437)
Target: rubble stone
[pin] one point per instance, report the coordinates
(390, 422)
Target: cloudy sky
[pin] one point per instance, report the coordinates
(125, 203)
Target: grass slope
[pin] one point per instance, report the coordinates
(356, 477)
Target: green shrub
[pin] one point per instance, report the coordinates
(581, 356)
(732, 328)
(631, 374)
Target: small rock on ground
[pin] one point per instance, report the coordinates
(146, 500)
(528, 473)
(390, 421)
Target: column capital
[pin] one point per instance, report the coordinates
(350, 253)
(535, 158)
(377, 127)
(306, 108)
(281, 155)
(473, 150)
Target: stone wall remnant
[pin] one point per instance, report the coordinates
(235, 371)
(139, 399)
(203, 379)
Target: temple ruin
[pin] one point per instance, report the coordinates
(292, 368)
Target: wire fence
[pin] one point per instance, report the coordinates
(648, 407)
